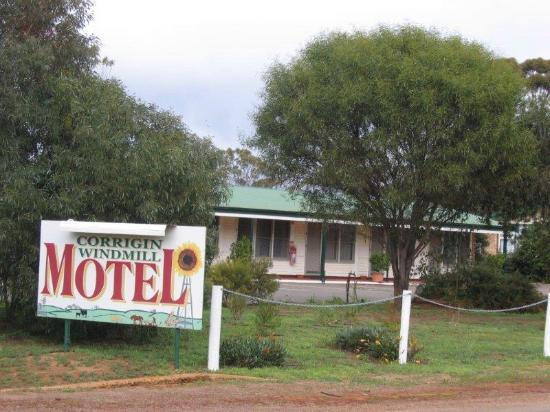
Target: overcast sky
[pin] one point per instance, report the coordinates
(204, 60)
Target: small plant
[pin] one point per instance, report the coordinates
(373, 343)
(241, 249)
(326, 317)
(267, 319)
(252, 352)
(236, 305)
(245, 276)
(380, 262)
(329, 316)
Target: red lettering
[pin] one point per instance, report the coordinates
(141, 281)
(118, 277)
(167, 284)
(81, 274)
(56, 270)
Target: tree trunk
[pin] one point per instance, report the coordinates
(401, 250)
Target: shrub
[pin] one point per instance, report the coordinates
(267, 319)
(252, 352)
(496, 261)
(245, 276)
(532, 257)
(380, 262)
(483, 285)
(241, 249)
(373, 342)
(236, 305)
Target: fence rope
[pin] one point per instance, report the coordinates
(373, 302)
(311, 305)
(443, 305)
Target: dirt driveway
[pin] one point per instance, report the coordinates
(268, 396)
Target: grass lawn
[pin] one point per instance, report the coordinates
(457, 349)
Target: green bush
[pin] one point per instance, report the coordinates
(267, 319)
(496, 261)
(380, 262)
(245, 276)
(241, 249)
(532, 257)
(252, 352)
(236, 305)
(484, 285)
(373, 342)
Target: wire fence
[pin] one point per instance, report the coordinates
(310, 305)
(373, 302)
(478, 310)
(315, 326)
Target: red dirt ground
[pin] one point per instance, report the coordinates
(271, 396)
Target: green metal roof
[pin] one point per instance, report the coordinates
(262, 200)
(259, 200)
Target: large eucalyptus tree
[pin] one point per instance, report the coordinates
(400, 127)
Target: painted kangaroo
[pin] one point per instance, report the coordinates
(138, 320)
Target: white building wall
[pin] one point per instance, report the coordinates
(360, 265)
(227, 235)
(283, 266)
(228, 227)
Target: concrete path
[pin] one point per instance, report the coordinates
(301, 292)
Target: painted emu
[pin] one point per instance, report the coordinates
(138, 320)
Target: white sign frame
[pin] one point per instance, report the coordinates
(122, 273)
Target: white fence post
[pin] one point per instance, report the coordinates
(547, 330)
(405, 320)
(215, 328)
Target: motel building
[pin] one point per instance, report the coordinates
(281, 230)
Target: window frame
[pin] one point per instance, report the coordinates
(254, 238)
(339, 229)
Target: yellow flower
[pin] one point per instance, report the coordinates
(187, 259)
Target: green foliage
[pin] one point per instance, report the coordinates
(484, 285)
(399, 126)
(252, 352)
(372, 342)
(241, 249)
(267, 319)
(532, 257)
(481, 242)
(245, 169)
(380, 262)
(336, 316)
(250, 277)
(74, 145)
(534, 114)
(497, 261)
(237, 305)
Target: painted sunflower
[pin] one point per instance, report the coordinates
(187, 259)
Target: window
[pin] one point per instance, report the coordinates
(347, 243)
(281, 237)
(245, 229)
(340, 243)
(264, 230)
(455, 248)
(331, 252)
(269, 237)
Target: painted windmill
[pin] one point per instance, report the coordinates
(187, 262)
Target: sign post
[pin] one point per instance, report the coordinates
(67, 335)
(146, 275)
(176, 348)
